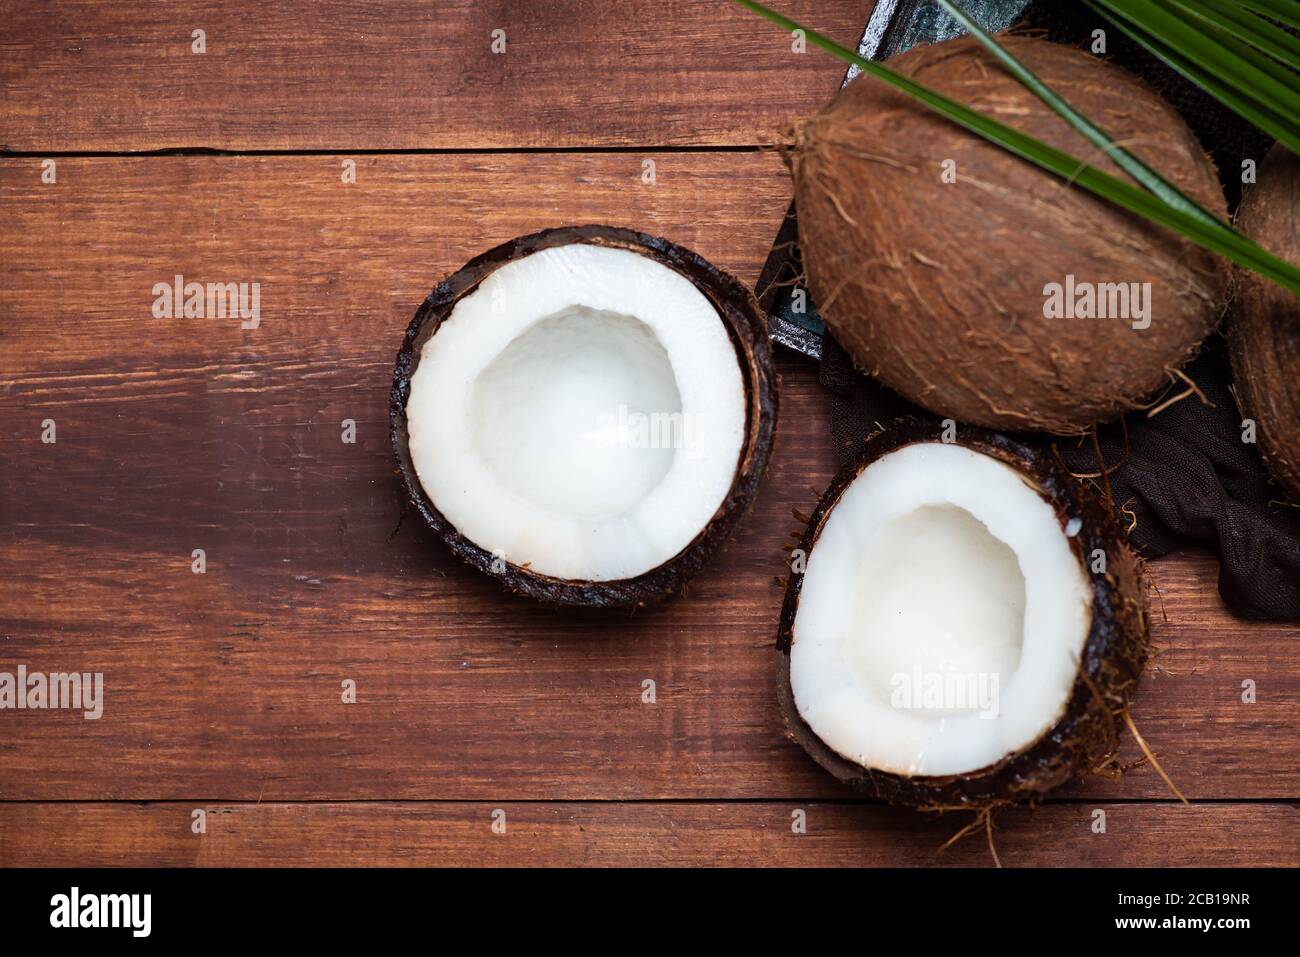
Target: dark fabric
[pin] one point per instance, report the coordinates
(859, 405)
(1183, 476)
(1190, 479)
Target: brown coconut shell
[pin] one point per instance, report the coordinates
(937, 289)
(747, 328)
(1264, 327)
(1086, 735)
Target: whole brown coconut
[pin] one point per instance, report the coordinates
(1264, 330)
(1084, 736)
(938, 288)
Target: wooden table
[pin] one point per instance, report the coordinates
(224, 689)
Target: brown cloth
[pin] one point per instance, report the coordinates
(1184, 474)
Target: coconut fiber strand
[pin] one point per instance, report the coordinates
(1183, 477)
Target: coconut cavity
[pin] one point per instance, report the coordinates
(585, 413)
(543, 413)
(942, 617)
(899, 629)
(967, 625)
(980, 286)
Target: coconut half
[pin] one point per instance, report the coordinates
(967, 626)
(585, 413)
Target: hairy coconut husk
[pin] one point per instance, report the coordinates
(937, 288)
(1264, 329)
(1086, 736)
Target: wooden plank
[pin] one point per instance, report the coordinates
(408, 74)
(182, 434)
(736, 834)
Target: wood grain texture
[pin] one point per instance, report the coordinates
(408, 74)
(561, 833)
(194, 433)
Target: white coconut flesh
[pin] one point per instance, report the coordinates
(580, 414)
(942, 615)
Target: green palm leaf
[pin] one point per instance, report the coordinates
(1098, 137)
(1283, 11)
(1212, 234)
(1235, 19)
(1255, 86)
